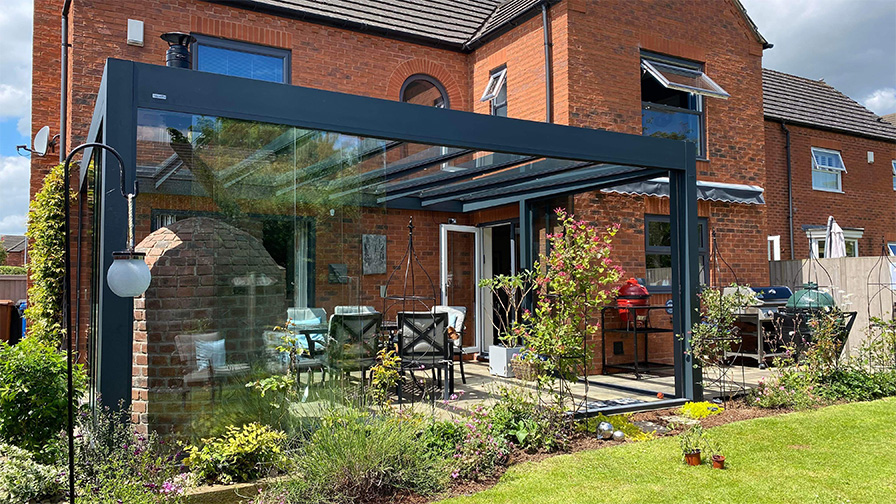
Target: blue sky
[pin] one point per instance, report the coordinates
(851, 44)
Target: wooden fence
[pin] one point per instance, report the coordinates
(865, 285)
(13, 287)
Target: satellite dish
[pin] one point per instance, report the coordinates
(41, 140)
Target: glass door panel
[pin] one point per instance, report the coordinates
(459, 274)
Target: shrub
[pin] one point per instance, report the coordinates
(698, 410)
(13, 270)
(2, 255)
(240, 454)
(22, 479)
(45, 259)
(356, 457)
(519, 418)
(787, 389)
(117, 464)
(34, 395)
(483, 449)
(441, 437)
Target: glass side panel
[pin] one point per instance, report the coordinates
(258, 251)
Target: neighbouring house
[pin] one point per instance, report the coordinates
(830, 156)
(221, 152)
(16, 249)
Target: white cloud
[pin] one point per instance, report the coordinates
(881, 101)
(14, 188)
(15, 61)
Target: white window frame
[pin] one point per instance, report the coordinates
(892, 248)
(894, 174)
(774, 248)
(659, 70)
(493, 87)
(817, 236)
(839, 171)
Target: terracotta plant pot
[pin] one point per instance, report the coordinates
(693, 459)
(718, 461)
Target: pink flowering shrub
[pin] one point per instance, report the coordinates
(573, 281)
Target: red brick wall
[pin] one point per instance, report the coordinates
(596, 47)
(868, 199)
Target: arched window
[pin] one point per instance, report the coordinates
(423, 89)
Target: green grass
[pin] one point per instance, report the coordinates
(844, 453)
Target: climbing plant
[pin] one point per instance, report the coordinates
(45, 262)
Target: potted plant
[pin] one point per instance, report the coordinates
(692, 442)
(718, 460)
(509, 294)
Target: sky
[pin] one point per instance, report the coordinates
(851, 44)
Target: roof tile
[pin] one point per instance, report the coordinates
(815, 103)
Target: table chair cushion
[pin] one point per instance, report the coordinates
(210, 353)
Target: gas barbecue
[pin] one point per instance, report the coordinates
(762, 317)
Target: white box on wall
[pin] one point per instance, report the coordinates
(135, 32)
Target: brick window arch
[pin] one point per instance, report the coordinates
(423, 89)
(413, 68)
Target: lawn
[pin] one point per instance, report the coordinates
(842, 453)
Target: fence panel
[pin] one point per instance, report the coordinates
(862, 284)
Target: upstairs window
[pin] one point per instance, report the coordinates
(827, 166)
(496, 92)
(894, 174)
(241, 59)
(672, 93)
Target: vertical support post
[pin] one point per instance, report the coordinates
(683, 219)
(527, 242)
(115, 317)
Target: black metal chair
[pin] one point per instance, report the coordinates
(353, 343)
(423, 344)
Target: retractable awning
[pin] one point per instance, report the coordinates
(711, 191)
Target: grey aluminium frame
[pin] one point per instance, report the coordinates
(128, 86)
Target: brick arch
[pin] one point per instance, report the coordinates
(431, 68)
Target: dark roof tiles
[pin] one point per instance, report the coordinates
(13, 243)
(817, 104)
(452, 22)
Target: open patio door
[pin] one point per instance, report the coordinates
(460, 252)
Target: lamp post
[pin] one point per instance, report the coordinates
(128, 277)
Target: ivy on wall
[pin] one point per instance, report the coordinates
(46, 262)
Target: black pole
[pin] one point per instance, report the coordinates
(63, 82)
(548, 114)
(66, 306)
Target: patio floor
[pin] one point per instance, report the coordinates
(601, 391)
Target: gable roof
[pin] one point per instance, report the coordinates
(458, 24)
(816, 104)
(890, 118)
(455, 23)
(13, 243)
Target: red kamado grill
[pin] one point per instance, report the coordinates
(632, 294)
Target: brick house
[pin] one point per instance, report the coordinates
(629, 67)
(16, 249)
(842, 161)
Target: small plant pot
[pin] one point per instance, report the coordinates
(718, 461)
(693, 459)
